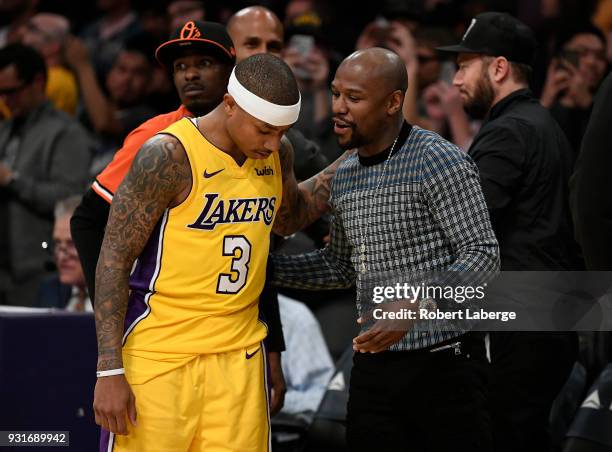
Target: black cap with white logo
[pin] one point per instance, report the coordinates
(497, 34)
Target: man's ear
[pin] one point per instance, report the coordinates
(499, 69)
(396, 101)
(229, 104)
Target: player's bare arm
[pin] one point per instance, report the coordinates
(305, 202)
(160, 177)
(160, 173)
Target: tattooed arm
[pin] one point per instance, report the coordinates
(305, 202)
(160, 177)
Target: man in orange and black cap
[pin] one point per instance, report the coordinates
(209, 49)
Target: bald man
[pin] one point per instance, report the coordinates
(47, 32)
(255, 30)
(408, 201)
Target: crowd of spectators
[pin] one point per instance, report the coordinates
(99, 69)
(75, 81)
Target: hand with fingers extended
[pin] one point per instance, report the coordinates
(442, 100)
(393, 321)
(557, 81)
(114, 404)
(401, 41)
(432, 98)
(450, 97)
(373, 35)
(578, 92)
(76, 53)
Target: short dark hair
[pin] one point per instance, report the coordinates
(268, 77)
(29, 62)
(581, 28)
(522, 72)
(144, 44)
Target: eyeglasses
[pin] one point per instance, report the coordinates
(61, 247)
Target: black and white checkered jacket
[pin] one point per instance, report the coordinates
(428, 214)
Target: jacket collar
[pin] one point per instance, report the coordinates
(36, 112)
(507, 101)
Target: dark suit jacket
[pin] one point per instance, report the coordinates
(53, 294)
(52, 163)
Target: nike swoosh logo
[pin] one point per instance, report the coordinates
(249, 356)
(207, 175)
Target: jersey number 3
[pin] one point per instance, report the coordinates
(239, 248)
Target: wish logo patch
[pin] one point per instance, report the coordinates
(265, 171)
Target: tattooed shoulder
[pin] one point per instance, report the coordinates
(161, 168)
(159, 173)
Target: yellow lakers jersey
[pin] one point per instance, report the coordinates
(195, 287)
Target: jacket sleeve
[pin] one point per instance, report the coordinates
(269, 309)
(328, 268)
(67, 172)
(457, 204)
(499, 156)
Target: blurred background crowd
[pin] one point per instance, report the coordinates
(102, 71)
(76, 79)
(90, 72)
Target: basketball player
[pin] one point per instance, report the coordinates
(179, 341)
(200, 56)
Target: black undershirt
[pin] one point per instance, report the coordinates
(383, 155)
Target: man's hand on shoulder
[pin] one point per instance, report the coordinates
(307, 201)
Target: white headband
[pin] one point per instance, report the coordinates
(273, 114)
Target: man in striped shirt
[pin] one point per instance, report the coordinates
(408, 202)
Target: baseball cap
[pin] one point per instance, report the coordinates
(497, 34)
(209, 37)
